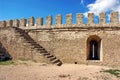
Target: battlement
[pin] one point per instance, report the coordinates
(31, 24)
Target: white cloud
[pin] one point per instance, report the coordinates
(103, 6)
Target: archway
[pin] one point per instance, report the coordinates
(93, 47)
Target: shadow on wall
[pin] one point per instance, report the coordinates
(4, 55)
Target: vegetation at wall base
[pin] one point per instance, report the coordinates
(9, 62)
(114, 72)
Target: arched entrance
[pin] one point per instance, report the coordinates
(93, 48)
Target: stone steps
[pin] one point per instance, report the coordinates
(34, 46)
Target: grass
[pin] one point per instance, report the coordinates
(9, 62)
(114, 72)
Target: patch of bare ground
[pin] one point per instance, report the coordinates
(42, 71)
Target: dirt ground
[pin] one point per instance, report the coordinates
(42, 71)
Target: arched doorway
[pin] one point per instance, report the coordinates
(93, 48)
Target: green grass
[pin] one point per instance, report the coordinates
(114, 72)
(6, 62)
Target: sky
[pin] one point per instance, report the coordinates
(17, 9)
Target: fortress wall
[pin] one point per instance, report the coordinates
(114, 21)
(17, 48)
(69, 41)
(71, 45)
(12, 44)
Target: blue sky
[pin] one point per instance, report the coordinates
(17, 9)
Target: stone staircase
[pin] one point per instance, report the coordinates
(35, 46)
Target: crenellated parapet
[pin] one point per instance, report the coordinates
(3, 24)
(9, 23)
(79, 20)
(16, 23)
(90, 19)
(114, 19)
(59, 20)
(23, 22)
(39, 22)
(69, 20)
(49, 21)
(31, 23)
(102, 19)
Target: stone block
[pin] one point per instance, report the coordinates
(59, 20)
(23, 22)
(16, 23)
(102, 19)
(69, 20)
(114, 19)
(90, 19)
(9, 23)
(31, 21)
(79, 19)
(49, 21)
(39, 21)
(3, 24)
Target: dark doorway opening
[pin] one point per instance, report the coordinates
(4, 55)
(93, 48)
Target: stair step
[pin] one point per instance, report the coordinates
(30, 42)
(45, 54)
(59, 63)
(33, 43)
(52, 58)
(49, 56)
(1, 54)
(35, 46)
(39, 49)
(55, 61)
(2, 57)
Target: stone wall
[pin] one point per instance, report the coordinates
(71, 45)
(69, 41)
(17, 48)
(31, 24)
